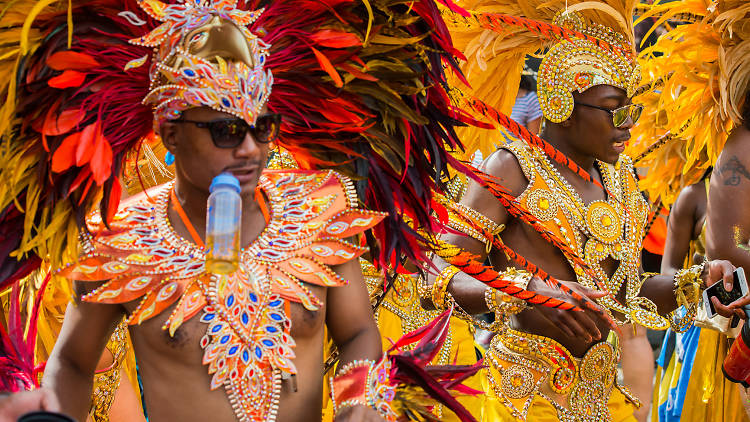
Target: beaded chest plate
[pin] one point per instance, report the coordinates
(611, 228)
(247, 344)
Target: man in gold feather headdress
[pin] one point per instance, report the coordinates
(569, 203)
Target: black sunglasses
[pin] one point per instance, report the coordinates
(230, 133)
(620, 115)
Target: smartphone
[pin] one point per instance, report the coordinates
(725, 297)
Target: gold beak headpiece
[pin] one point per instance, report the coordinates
(205, 56)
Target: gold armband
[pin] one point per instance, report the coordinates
(488, 225)
(519, 278)
(440, 287)
(503, 303)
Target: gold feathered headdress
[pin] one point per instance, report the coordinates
(699, 74)
(584, 43)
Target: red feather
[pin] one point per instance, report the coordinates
(335, 39)
(114, 199)
(67, 60)
(86, 144)
(101, 161)
(62, 123)
(67, 79)
(65, 155)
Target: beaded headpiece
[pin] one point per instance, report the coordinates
(583, 43)
(205, 56)
(581, 63)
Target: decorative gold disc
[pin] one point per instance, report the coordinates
(542, 204)
(603, 222)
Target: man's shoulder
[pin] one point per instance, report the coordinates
(505, 164)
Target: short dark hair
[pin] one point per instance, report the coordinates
(528, 83)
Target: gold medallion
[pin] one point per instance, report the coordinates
(517, 382)
(542, 204)
(603, 222)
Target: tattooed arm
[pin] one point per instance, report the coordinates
(729, 202)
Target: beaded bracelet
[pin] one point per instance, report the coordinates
(365, 383)
(440, 286)
(688, 285)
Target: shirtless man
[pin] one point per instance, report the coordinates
(203, 334)
(175, 382)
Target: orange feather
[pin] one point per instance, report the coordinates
(326, 65)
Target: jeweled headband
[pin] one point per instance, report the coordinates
(205, 56)
(579, 64)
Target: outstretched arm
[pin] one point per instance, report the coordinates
(682, 218)
(84, 335)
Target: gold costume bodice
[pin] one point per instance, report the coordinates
(611, 228)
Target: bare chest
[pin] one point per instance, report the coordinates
(184, 344)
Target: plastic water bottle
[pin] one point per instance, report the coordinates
(223, 218)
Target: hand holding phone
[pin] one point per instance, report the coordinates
(717, 290)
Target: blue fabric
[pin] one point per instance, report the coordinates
(683, 348)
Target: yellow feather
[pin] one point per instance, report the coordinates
(35, 11)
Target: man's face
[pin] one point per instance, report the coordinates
(198, 160)
(593, 132)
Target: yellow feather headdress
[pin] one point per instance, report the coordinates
(700, 72)
(598, 49)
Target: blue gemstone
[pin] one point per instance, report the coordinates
(253, 297)
(262, 59)
(189, 73)
(216, 328)
(225, 339)
(226, 102)
(230, 300)
(276, 303)
(276, 317)
(233, 350)
(208, 317)
(245, 356)
(245, 318)
(272, 329)
(258, 352)
(268, 343)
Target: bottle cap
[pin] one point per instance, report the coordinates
(44, 417)
(225, 180)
